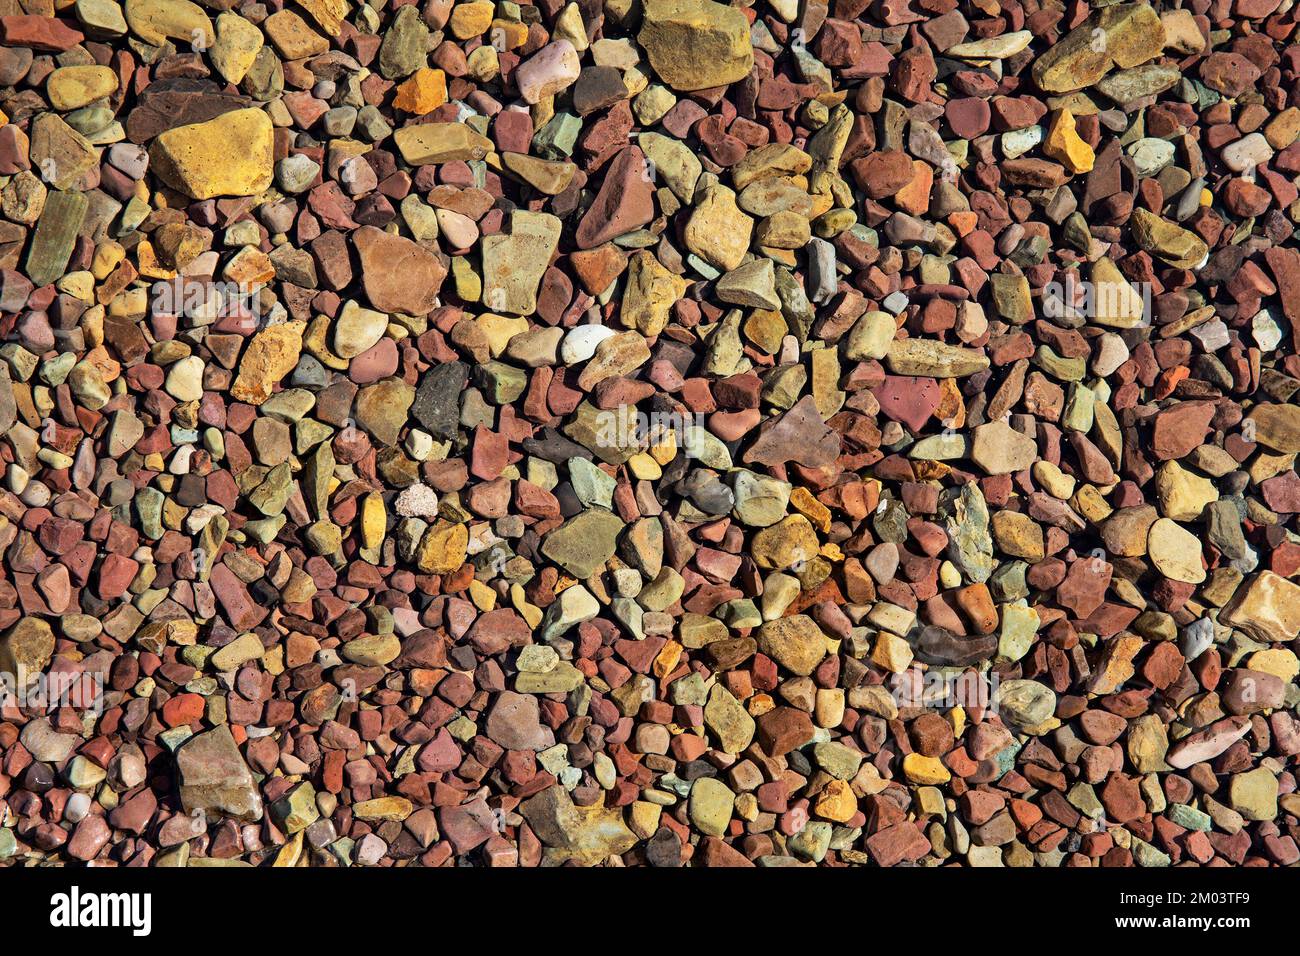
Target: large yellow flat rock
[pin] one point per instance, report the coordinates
(231, 155)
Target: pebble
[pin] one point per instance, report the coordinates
(198, 160)
(72, 87)
(999, 449)
(1247, 152)
(485, 438)
(696, 44)
(357, 330)
(215, 779)
(551, 69)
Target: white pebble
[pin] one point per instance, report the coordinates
(580, 342)
(1247, 153)
(1267, 333)
(1020, 141)
(77, 807)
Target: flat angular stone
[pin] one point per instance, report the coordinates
(200, 161)
(584, 543)
(585, 835)
(440, 143)
(796, 643)
(1266, 607)
(696, 44)
(514, 262)
(398, 275)
(214, 779)
(56, 233)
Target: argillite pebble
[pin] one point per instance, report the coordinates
(671, 433)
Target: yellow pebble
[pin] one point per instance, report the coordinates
(747, 806)
(79, 285)
(930, 801)
(667, 660)
(957, 717)
(1054, 481)
(892, 653)
(147, 262)
(1277, 661)
(290, 852)
(374, 521)
(643, 818)
(802, 500)
(837, 802)
(423, 92)
(273, 660)
(925, 770)
(108, 256)
(393, 809)
(508, 34)
(529, 612)
(665, 449)
(484, 598)
(484, 65)
(643, 466)
(500, 329)
(470, 19)
(1064, 144)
